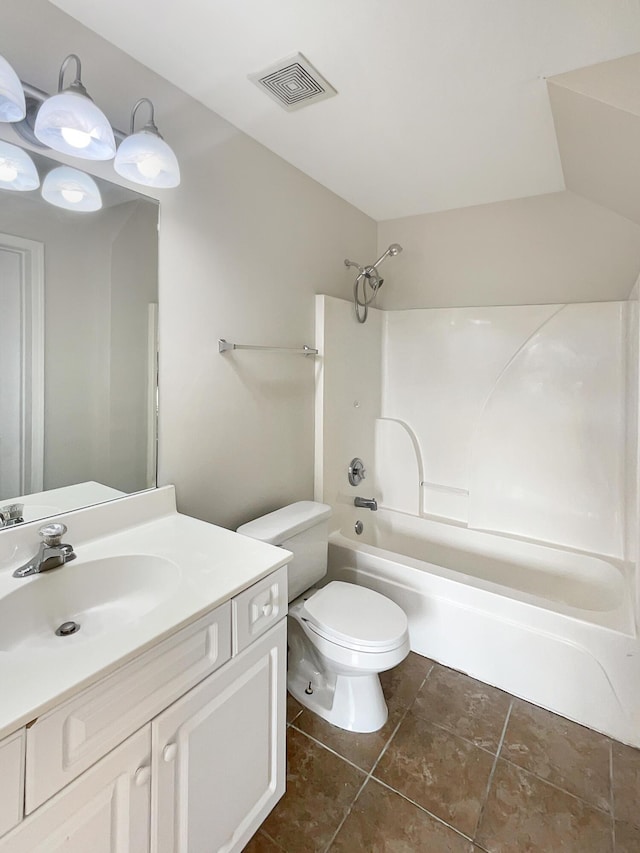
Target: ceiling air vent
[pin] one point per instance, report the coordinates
(293, 83)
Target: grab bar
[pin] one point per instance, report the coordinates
(225, 346)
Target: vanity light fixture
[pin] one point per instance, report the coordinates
(71, 189)
(71, 123)
(12, 101)
(144, 157)
(17, 169)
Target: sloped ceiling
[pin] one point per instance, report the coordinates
(597, 117)
(442, 103)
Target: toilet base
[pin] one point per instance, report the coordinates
(355, 703)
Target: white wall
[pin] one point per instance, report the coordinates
(245, 243)
(530, 251)
(241, 258)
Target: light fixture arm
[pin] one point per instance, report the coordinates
(77, 85)
(150, 126)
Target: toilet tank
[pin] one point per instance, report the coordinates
(303, 529)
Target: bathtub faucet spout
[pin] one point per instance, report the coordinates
(366, 503)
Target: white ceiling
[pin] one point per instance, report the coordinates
(442, 103)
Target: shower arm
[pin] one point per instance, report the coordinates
(349, 263)
(367, 273)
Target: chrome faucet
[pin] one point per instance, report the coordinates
(51, 554)
(366, 503)
(11, 514)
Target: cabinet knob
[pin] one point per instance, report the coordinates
(142, 776)
(267, 609)
(169, 752)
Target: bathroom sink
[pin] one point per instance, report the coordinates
(102, 595)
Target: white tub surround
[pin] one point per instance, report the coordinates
(161, 722)
(517, 419)
(509, 419)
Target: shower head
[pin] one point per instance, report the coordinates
(369, 275)
(393, 250)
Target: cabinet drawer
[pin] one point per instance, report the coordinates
(64, 742)
(258, 608)
(11, 780)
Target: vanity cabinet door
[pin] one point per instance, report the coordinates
(11, 780)
(106, 810)
(219, 754)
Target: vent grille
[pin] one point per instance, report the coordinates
(293, 83)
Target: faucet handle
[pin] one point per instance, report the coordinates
(52, 533)
(11, 514)
(356, 471)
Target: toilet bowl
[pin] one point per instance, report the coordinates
(341, 636)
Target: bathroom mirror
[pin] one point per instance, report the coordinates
(78, 354)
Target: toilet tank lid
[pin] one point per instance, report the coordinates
(278, 526)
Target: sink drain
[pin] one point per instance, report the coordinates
(67, 628)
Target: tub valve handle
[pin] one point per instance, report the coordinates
(356, 471)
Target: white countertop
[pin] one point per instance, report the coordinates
(213, 563)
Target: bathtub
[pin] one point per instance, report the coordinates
(553, 626)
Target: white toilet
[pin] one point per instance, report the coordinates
(341, 635)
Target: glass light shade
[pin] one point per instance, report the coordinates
(12, 103)
(145, 158)
(71, 189)
(72, 124)
(17, 169)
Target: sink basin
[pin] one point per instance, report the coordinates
(100, 595)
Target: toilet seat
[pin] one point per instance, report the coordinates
(356, 618)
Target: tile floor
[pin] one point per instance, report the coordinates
(459, 767)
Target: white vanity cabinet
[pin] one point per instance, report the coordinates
(182, 749)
